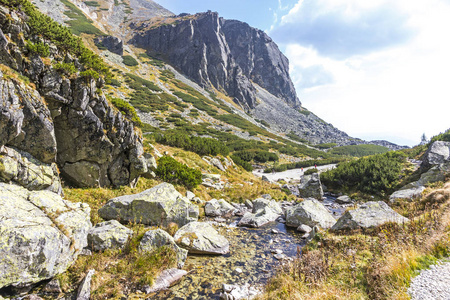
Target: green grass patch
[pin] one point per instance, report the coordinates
(79, 23)
(359, 150)
(92, 3)
(129, 60)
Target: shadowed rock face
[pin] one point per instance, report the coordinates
(225, 54)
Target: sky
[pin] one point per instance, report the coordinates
(375, 69)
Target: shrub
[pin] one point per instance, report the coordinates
(240, 162)
(171, 170)
(359, 150)
(66, 68)
(39, 48)
(311, 171)
(129, 61)
(375, 175)
(127, 110)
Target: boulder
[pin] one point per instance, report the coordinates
(215, 208)
(154, 239)
(311, 187)
(108, 235)
(309, 212)
(262, 203)
(437, 153)
(264, 211)
(266, 179)
(41, 234)
(218, 164)
(201, 238)
(190, 195)
(159, 205)
(25, 170)
(166, 279)
(370, 214)
(344, 200)
(112, 43)
(409, 193)
(84, 290)
(304, 228)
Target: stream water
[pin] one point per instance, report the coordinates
(250, 252)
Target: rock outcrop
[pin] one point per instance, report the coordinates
(224, 54)
(113, 44)
(66, 119)
(154, 239)
(309, 212)
(311, 187)
(41, 234)
(216, 208)
(108, 235)
(370, 214)
(159, 205)
(263, 212)
(201, 238)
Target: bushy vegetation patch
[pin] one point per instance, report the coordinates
(79, 23)
(199, 145)
(359, 150)
(39, 48)
(240, 162)
(92, 3)
(129, 60)
(257, 156)
(375, 175)
(441, 137)
(199, 104)
(138, 83)
(325, 146)
(170, 170)
(127, 110)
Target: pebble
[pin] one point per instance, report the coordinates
(238, 270)
(432, 284)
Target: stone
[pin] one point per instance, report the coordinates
(154, 239)
(304, 228)
(41, 234)
(409, 193)
(108, 235)
(190, 195)
(218, 164)
(280, 256)
(249, 204)
(311, 187)
(201, 238)
(52, 287)
(25, 170)
(112, 43)
(266, 179)
(84, 290)
(370, 214)
(344, 200)
(215, 208)
(166, 279)
(258, 219)
(437, 153)
(309, 212)
(262, 203)
(159, 205)
(213, 177)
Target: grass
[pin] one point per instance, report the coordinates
(372, 264)
(359, 150)
(79, 23)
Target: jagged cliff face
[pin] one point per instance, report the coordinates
(60, 118)
(226, 55)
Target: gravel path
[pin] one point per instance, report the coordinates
(432, 284)
(290, 174)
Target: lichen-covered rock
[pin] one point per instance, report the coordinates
(159, 205)
(154, 239)
(201, 238)
(262, 203)
(41, 234)
(215, 208)
(84, 290)
(309, 212)
(24, 170)
(108, 235)
(344, 200)
(437, 153)
(311, 187)
(370, 214)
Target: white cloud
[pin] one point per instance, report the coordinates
(396, 91)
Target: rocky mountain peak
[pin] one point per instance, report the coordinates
(226, 55)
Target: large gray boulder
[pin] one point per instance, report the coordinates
(154, 239)
(264, 211)
(215, 208)
(113, 44)
(159, 205)
(311, 187)
(108, 235)
(309, 212)
(437, 153)
(201, 238)
(41, 234)
(166, 279)
(25, 170)
(370, 214)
